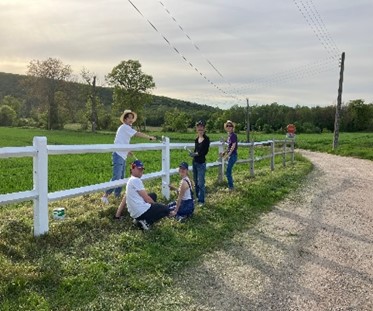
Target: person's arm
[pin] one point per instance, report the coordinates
(229, 152)
(183, 188)
(145, 196)
(142, 135)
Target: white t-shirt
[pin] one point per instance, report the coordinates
(135, 203)
(187, 195)
(123, 136)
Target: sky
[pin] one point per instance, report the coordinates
(214, 52)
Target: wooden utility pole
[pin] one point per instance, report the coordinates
(248, 121)
(339, 104)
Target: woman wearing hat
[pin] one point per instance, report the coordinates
(201, 148)
(123, 136)
(183, 207)
(231, 152)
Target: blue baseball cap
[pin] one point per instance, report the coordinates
(184, 165)
(137, 164)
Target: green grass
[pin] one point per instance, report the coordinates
(90, 262)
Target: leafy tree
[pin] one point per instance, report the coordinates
(48, 77)
(131, 87)
(7, 115)
(15, 103)
(176, 121)
(357, 116)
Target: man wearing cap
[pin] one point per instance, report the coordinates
(183, 207)
(123, 136)
(141, 205)
(201, 148)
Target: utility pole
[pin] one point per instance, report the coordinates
(248, 121)
(339, 104)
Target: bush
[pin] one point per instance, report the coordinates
(7, 116)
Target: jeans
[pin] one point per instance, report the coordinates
(199, 171)
(232, 159)
(119, 166)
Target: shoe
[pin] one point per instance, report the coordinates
(181, 218)
(142, 224)
(105, 200)
(201, 204)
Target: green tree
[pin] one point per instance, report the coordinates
(131, 88)
(46, 78)
(7, 115)
(176, 121)
(358, 116)
(15, 103)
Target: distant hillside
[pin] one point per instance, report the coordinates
(10, 84)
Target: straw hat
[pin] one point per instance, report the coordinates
(229, 122)
(124, 114)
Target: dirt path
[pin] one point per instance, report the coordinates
(314, 251)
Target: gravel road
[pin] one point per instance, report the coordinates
(313, 251)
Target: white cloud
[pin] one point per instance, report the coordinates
(250, 42)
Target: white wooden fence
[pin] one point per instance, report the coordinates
(41, 150)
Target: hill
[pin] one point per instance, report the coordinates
(11, 84)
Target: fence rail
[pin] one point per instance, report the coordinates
(40, 152)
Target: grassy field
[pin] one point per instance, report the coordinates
(89, 261)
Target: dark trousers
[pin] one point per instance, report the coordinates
(156, 211)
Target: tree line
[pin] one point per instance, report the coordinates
(49, 96)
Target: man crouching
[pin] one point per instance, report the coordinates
(141, 205)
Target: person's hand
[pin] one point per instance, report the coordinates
(172, 187)
(193, 154)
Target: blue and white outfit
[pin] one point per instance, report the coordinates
(186, 208)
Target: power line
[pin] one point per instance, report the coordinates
(318, 30)
(181, 55)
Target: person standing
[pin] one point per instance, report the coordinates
(201, 148)
(141, 204)
(231, 152)
(123, 136)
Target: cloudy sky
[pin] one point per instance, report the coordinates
(214, 52)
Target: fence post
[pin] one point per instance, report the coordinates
(252, 158)
(166, 167)
(272, 154)
(40, 176)
(221, 166)
(284, 154)
(292, 150)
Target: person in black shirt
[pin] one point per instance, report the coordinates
(201, 148)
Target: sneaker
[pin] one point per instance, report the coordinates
(201, 204)
(105, 200)
(143, 224)
(181, 218)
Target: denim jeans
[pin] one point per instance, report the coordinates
(199, 171)
(232, 159)
(119, 166)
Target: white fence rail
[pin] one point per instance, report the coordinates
(40, 152)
